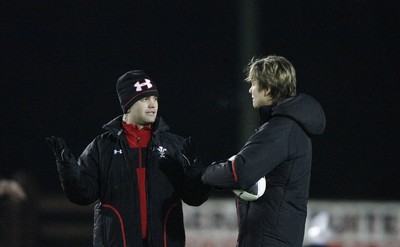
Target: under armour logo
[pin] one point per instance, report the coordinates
(117, 151)
(146, 83)
(162, 151)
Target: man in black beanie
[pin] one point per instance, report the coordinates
(137, 172)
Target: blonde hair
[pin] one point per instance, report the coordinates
(275, 73)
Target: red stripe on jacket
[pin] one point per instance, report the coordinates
(140, 138)
(121, 222)
(234, 171)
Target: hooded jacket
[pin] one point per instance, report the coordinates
(281, 151)
(107, 173)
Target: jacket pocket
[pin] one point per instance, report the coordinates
(111, 227)
(173, 224)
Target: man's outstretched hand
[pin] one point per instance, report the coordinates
(60, 149)
(189, 152)
(57, 144)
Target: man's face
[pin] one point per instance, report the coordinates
(260, 98)
(144, 111)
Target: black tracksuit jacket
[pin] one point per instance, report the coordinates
(280, 150)
(106, 173)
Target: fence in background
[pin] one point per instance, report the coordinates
(329, 223)
(53, 221)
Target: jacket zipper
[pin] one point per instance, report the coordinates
(150, 149)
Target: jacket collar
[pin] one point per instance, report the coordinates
(115, 126)
(265, 113)
(268, 111)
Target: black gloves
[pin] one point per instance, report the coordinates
(66, 162)
(189, 152)
(191, 163)
(60, 150)
(57, 145)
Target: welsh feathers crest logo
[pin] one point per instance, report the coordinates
(162, 151)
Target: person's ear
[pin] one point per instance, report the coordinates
(267, 91)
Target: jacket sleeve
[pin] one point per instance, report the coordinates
(220, 175)
(79, 178)
(264, 150)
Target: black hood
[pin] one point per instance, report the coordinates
(303, 109)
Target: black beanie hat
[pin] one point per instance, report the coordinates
(132, 86)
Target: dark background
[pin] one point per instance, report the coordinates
(60, 61)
